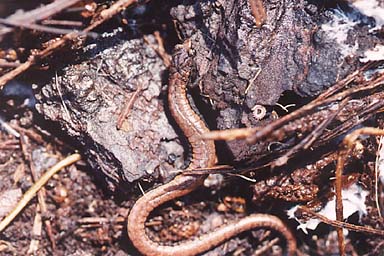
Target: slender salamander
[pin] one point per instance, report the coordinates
(203, 155)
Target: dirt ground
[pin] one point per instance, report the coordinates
(310, 74)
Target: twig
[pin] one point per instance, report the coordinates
(112, 11)
(124, 113)
(163, 54)
(57, 44)
(211, 170)
(160, 50)
(339, 199)
(36, 232)
(8, 128)
(100, 220)
(6, 64)
(40, 13)
(348, 143)
(308, 140)
(45, 28)
(230, 134)
(17, 71)
(343, 82)
(252, 81)
(41, 194)
(62, 23)
(9, 144)
(341, 224)
(378, 169)
(44, 12)
(263, 250)
(36, 187)
(332, 95)
(141, 188)
(30, 133)
(360, 117)
(58, 89)
(320, 101)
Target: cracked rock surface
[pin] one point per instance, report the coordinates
(87, 99)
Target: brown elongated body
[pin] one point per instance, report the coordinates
(203, 155)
